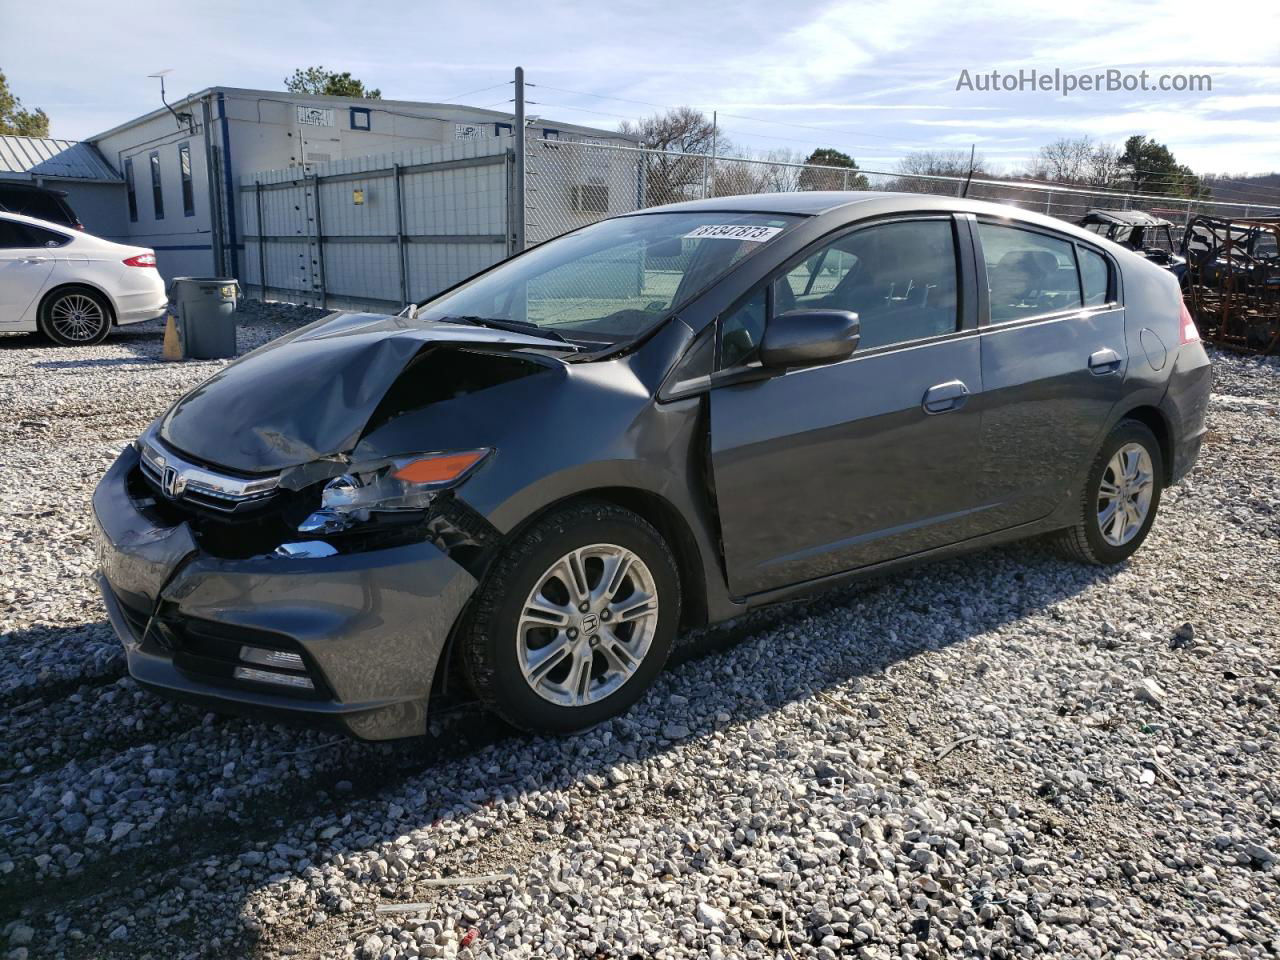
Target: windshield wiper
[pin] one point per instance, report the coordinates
(511, 326)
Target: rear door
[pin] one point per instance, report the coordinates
(825, 469)
(1053, 365)
(25, 266)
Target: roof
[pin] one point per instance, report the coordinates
(1127, 218)
(803, 202)
(849, 206)
(418, 106)
(26, 158)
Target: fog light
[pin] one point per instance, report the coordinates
(280, 679)
(271, 658)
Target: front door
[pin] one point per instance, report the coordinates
(25, 266)
(829, 468)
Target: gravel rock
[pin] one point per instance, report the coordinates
(1148, 691)
(963, 760)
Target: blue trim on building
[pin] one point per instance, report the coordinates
(229, 185)
(185, 246)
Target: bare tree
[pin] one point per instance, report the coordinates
(936, 163)
(1066, 160)
(1077, 160)
(1104, 165)
(684, 135)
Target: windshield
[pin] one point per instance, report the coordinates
(613, 280)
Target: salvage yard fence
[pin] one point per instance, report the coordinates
(377, 231)
(383, 231)
(571, 183)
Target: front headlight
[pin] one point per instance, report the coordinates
(400, 484)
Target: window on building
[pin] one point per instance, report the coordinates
(157, 194)
(591, 198)
(360, 118)
(184, 170)
(132, 191)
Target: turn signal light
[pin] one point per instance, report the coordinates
(1188, 333)
(142, 260)
(440, 468)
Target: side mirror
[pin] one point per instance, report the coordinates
(803, 338)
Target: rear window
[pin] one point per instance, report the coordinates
(1029, 274)
(18, 235)
(36, 203)
(1095, 277)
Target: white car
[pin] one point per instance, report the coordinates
(72, 286)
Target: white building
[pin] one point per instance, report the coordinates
(182, 165)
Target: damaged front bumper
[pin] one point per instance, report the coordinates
(350, 641)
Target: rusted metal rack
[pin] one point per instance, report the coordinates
(1232, 284)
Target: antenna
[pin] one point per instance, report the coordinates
(184, 119)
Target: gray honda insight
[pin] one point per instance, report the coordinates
(533, 481)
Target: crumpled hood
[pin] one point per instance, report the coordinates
(311, 393)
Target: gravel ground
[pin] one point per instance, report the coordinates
(1006, 755)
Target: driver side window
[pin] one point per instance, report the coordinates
(900, 278)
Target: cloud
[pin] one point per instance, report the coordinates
(870, 78)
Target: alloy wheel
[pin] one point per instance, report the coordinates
(76, 317)
(587, 624)
(1124, 494)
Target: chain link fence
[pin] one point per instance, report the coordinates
(573, 183)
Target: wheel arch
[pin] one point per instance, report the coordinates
(667, 520)
(1154, 420)
(654, 509)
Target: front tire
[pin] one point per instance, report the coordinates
(75, 317)
(1120, 499)
(575, 620)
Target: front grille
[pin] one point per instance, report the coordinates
(182, 480)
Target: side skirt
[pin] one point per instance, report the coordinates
(821, 584)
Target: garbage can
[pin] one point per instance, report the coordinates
(205, 309)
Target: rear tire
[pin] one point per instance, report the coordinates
(75, 317)
(575, 620)
(1120, 499)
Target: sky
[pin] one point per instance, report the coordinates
(874, 79)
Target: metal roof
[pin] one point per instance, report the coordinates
(390, 106)
(26, 158)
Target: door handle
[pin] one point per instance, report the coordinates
(35, 259)
(1104, 361)
(945, 396)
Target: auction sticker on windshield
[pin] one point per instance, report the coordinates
(733, 231)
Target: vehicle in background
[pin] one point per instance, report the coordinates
(531, 482)
(1143, 233)
(42, 203)
(1233, 280)
(71, 286)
